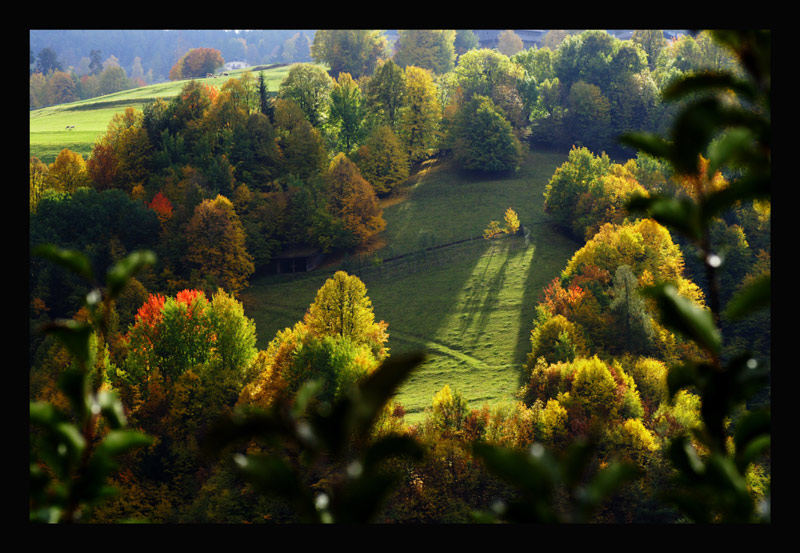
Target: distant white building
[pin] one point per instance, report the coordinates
(235, 65)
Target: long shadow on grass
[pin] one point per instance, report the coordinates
(419, 304)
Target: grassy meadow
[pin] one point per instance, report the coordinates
(469, 306)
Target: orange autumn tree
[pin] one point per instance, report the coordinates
(197, 62)
(162, 206)
(353, 199)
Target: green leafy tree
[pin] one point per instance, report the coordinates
(483, 138)
(426, 48)
(384, 93)
(349, 51)
(347, 112)
(652, 42)
(589, 115)
(310, 87)
(464, 41)
(480, 72)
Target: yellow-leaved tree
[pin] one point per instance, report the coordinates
(338, 342)
(216, 246)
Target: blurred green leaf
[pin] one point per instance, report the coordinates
(74, 383)
(119, 274)
(707, 81)
(533, 476)
(752, 437)
(379, 387)
(117, 442)
(391, 446)
(359, 501)
(754, 449)
(72, 260)
(576, 459)
(683, 375)
(750, 298)
(734, 148)
(44, 414)
(76, 337)
(680, 213)
(606, 482)
(68, 435)
(746, 187)
(694, 128)
(648, 143)
(244, 425)
(685, 458)
(684, 316)
(111, 408)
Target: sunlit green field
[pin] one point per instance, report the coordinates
(469, 306)
(48, 126)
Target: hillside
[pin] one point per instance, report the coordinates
(48, 126)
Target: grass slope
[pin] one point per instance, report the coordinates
(47, 126)
(469, 306)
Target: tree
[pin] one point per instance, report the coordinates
(347, 112)
(37, 175)
(425, 48)
(216, 246)
(47, 61)
(264, 101)
(480, 72)
(589, 115)
(628, 307)
(95, 62)
(67, 173)
(384, 93)
(483, 139)
(61, 88)
(509, 43)
(120, 157)
(420, 114)
(382, 160)
(196, 63)
(113, 79)
(310, 87)
(255, 155)
(352, 199)
(652, 42)
(337, 343)
(512, 221)
(342, 308)
(465, 40)
(349, 51)
(301, 145)
(569, 181)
